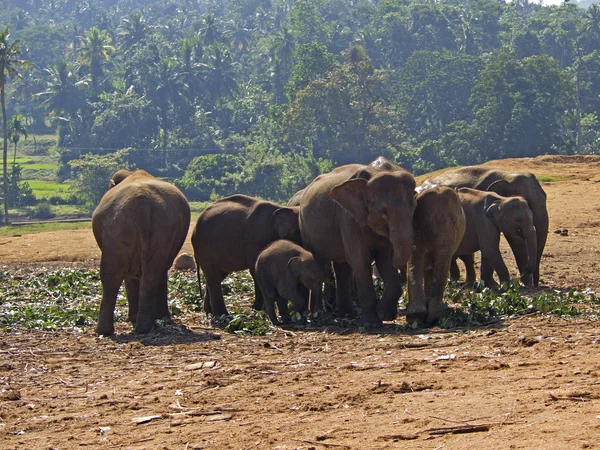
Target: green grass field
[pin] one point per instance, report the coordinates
(45, 189)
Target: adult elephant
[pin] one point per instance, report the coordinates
(230, 234)
(439, 224)
(489, 214)
(352, 215)
(508, 184)
(140, 225)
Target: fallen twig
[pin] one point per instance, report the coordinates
(398, 437)
(324, 444)
(459, 429)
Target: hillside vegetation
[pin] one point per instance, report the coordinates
(259, 96)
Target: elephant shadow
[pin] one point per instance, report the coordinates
(163, 335)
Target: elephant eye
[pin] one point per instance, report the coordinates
(520, 230)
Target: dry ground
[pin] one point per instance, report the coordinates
(529, 382)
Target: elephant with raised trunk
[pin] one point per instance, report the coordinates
(489, 214)
(508, 184)
(230, 234)
(439, 223)
(352, 215)
(280, 270)
(140, 225)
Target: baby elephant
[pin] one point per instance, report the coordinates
(281, 270)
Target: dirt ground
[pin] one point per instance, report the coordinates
(528, 382)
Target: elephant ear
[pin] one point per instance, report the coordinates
(295, 266)
(492, 210)
(500, 187)
(285, 222)
(352, 196)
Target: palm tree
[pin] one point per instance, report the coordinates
(170, 90)
(64, 94)
(210, 31)
(240, 36)
(10, 63)
(219, 77)
(94, 52)
(283, 47)
(591, 24)
(16, 129)
(133, 29)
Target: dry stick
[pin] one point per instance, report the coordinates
(458, 421)
(459, 429)
(324, 444)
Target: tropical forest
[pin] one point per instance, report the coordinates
(260, 96)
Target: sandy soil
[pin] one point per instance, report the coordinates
(529, 382)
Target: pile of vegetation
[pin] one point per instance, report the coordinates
(69, 299)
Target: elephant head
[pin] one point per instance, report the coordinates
(118, 176)
(514, 219)
(384, 202)
(310, 270)
(285, 222)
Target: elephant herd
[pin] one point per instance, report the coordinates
(344, 220)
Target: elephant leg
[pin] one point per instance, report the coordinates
(366, 292)
(282, 306)
(387, 309)
(111, 275)
(491, 260)
(343, 279)
(216, 304)
(329, 290)
(132, 287)
(416, 309)
(161, 308)
(305, 294)
(258, 296)
(469, 261)
(270, 296)
(454, 270)
(436, 279)
(316, 298)
(150, 285)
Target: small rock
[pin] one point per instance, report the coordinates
(185, 261)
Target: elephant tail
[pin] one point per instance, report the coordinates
(198, 276)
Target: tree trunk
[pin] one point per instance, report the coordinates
(4, 156)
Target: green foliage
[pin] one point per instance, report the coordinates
(93, 173)
(209, 175)
(20, 192)
(249, 322)
(484, 305)
(53, 300)
(42, 211)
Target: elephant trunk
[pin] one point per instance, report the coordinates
(402, 242)
(531, 242)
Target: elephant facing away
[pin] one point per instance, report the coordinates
(230, 234)
(280, 269)
(508, 184)
(140, 225)
(489, 214)
(352, 215)
(440, 224)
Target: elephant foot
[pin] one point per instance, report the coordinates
(370, 321)
(258, 304)
(416, 313)
(527, 280)
(436, 310)
(144, 326)
(388, 313)
(105, 330)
